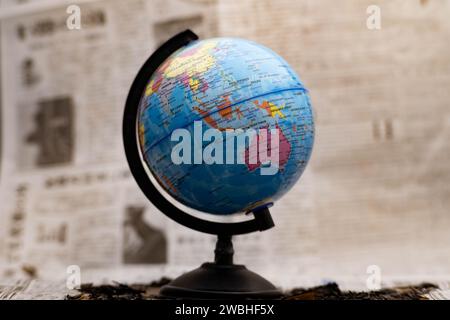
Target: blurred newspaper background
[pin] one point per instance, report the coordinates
(376, 191)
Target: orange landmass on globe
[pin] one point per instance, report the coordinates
(141, 134)
(224, 109)
(271, 109)
(208, 119)
(165, 181)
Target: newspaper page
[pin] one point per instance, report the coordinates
(67, 196)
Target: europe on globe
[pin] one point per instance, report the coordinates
(225, 125)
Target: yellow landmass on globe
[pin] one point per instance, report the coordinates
(194, 84)
(150, 89)
(197, 61)
(142, 134)
(271, 109)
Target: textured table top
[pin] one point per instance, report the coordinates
(47, 290)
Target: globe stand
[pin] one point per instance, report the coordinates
(222, 278)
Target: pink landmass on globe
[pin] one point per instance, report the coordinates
(284, 149)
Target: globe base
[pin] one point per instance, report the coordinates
(220, 280)
(212, 281)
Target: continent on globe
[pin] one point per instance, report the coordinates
(282, 149)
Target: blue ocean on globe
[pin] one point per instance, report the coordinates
(225, 84)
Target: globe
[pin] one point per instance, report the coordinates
(225, 126)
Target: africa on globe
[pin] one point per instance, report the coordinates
(225, 125)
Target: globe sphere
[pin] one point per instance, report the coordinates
(225, 126)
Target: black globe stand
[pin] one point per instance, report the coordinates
(223, 279)
(220, 279)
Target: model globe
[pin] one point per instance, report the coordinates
(225, 126)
